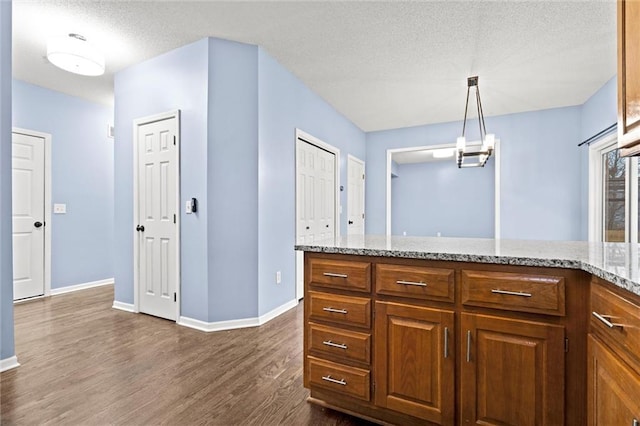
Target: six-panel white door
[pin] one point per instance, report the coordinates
(27, 166)
(355, 196)
(156, 226)
(315, 200)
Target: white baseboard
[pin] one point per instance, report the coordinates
(8, 363)
(233, 324)
(277, 311)
(83, 286)
(127, 307)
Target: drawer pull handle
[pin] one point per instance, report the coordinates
(468, 345)
(635, 422)
(419, 284)
(332, 380)
(511, 293)
(446, 342)
(334, 345)
(331, 274)
(335, 311)
(605, 321)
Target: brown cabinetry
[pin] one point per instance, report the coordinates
(444, 343)
(613, 368)
(415, 366)
(512, 372)
(628, 81)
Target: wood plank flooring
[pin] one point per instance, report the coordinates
(84, 363)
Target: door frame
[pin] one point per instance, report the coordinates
(306, 137)
(175, 114)
(496, 189)
(46, 137)
(364, 195)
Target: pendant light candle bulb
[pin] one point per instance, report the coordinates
(460, 143)
(490, 141)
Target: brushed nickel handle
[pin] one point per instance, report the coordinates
(334, 345)
(468, 345)
(332, 380)
(635, 422)
(420, 284)
(605, 321)
(335, 311)
(446, 342)
(331, 274)
(511, 293)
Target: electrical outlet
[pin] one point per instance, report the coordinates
(278, 277)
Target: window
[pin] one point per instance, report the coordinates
(613, 193)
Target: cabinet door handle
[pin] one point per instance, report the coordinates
(419, 284)
(331, 274)
(335, 311)
(334, 345)
(605, 321)
(468, 345)
(446, 342)
(332, 380)
(511, 293)
(635, 422)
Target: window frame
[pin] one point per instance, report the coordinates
(596, 190)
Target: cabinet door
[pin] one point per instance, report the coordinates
(512, 372)
(414, 361)
(613, 389)
(628, 82)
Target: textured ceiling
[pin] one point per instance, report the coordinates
(382, 64)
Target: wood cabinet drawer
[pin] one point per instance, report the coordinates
(340, 378)
(616, 318)
(330, 341)
(343, 310)
(343, 274)
(415, 282)
(544, 294)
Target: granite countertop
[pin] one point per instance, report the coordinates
(615, 262)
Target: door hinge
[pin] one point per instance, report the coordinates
(363, 176)
(175, 297)
(174, 218)
(566, 344)
(174, 139)
(363, 215)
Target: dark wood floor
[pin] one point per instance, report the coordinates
(84, 363)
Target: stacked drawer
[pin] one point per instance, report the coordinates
(338, 339)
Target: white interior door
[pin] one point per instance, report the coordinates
(27, 165)
(156, 226)
(315, 200)
(355, 196)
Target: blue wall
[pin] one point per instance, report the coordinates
(174, 80)
(7, 348)
(428, 198)
(81, 178)
(596, 114)
(540, 195)
(286, 104)
(232, 180)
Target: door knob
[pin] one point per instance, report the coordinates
(350, 222)
(140, 228)
(38, 224)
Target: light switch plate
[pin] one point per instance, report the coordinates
(59, 208)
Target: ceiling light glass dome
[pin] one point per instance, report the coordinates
(75, 54)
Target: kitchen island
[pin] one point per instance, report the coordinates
(408, 330)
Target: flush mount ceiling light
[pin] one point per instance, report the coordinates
(75, 54)
(488, 140)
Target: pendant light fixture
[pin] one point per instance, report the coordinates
(482, 153)
(75, 54)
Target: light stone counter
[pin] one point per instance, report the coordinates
(614, 262)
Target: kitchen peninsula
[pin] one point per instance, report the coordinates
(410, 330)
